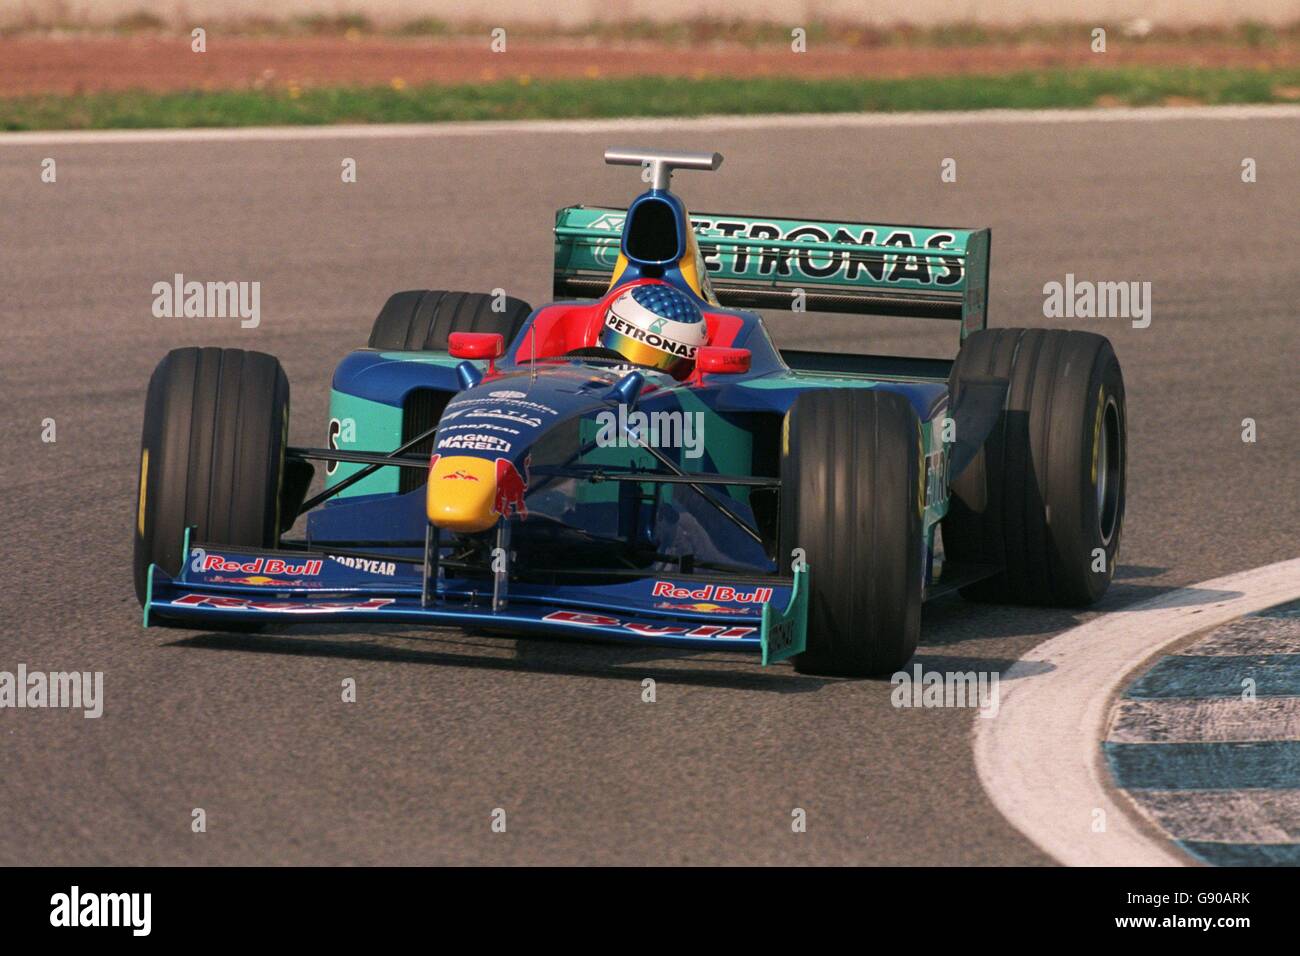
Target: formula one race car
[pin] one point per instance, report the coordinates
(639, 462)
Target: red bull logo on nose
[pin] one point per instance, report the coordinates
(469, 493)
(511, 488)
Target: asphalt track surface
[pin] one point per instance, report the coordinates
(448, 727)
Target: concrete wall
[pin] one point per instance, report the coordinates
(573, 12)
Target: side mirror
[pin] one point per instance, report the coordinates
(716, 360)
(477, 345)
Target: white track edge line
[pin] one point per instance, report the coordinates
(654, 123)
(1040, 759)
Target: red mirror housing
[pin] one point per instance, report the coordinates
(477, 345)
(721, 361)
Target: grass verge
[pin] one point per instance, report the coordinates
(648, 96)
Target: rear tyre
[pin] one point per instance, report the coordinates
(852, 491)
(422, 320)
(1044, 499)
(212, 455)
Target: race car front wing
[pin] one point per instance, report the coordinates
(221, 586)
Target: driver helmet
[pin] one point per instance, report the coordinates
(655, 325)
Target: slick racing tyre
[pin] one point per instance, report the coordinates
(212, 455)
(852, 492)
(1044, 498)
(421, 320)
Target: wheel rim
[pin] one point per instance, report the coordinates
(1109, 454)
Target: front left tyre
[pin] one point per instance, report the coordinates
(852, 500)
(212, 456)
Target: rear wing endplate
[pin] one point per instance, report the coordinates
(767, 263)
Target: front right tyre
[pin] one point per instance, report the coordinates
(212, 456)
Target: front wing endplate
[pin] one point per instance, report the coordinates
(785, 633)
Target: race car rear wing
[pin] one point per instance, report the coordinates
(766, 263)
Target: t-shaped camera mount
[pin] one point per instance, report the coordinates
(662, 164)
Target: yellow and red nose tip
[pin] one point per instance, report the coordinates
(462, 493)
